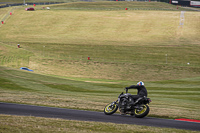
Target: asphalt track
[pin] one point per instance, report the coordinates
(70, 114)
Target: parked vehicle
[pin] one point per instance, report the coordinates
(140, 108)
(30, 9)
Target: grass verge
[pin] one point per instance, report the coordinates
(10, 124)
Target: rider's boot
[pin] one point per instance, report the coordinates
(132, 113)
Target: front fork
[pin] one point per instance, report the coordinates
(112, 106)
(114, 103)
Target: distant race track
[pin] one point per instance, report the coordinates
(70, 114)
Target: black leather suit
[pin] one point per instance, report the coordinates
(142, 91)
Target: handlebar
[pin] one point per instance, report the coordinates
(126, 90)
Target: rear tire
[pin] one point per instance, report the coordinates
(110, 109)
(142, 113)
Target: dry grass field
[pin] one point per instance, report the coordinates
(126, 42)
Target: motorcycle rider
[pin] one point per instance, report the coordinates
(142, 91)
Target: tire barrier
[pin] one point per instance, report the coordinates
(21, 4)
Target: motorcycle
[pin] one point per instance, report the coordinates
(140, 108)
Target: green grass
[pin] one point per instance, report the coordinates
(171, 99)
(124, 46)
(10, 124)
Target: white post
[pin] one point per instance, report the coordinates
(43, 51)
(166, 58)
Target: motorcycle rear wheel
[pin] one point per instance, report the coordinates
(110, 109)
(142, 113)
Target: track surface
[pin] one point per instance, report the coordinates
(40, 111)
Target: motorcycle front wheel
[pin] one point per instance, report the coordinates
(110, 109)
(142, 112)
